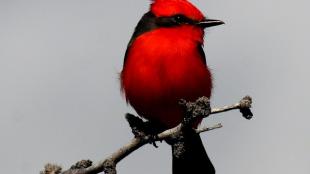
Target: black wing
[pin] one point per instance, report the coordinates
(202, 53)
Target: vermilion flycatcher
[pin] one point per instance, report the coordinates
(164, 63)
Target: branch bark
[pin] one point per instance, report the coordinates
(193, 110)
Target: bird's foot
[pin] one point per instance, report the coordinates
(144, 129)
(152, 140)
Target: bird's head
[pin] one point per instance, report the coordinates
(171, 13)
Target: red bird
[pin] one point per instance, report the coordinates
(164, 63)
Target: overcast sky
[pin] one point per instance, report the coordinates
(59, 91)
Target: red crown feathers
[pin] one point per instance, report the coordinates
(174, 7)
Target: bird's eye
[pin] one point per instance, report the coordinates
(175, 20)
(180, 19)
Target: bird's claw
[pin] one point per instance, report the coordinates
(152, 140)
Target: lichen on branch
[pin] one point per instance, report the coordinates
(145, 132)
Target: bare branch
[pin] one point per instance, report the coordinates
(204, 129)
(51, 169)
(244, 106)
(193, 111)
(225, 108)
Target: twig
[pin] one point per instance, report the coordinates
(199, 108)
(243, 105)
(225, 108)
(204, 129)
(51, 169)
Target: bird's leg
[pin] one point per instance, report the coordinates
(144, 129)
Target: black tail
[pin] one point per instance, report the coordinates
(194, 160)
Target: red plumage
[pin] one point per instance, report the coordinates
(173, 7)
(164, 66)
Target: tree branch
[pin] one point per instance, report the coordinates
(193, 110)
(243, 105)
(205, 129)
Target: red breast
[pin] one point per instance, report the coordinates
(164, 66)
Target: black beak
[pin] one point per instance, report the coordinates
(209, 23)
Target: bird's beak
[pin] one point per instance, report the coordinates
(209, 23)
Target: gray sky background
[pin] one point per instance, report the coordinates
(60, 100)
